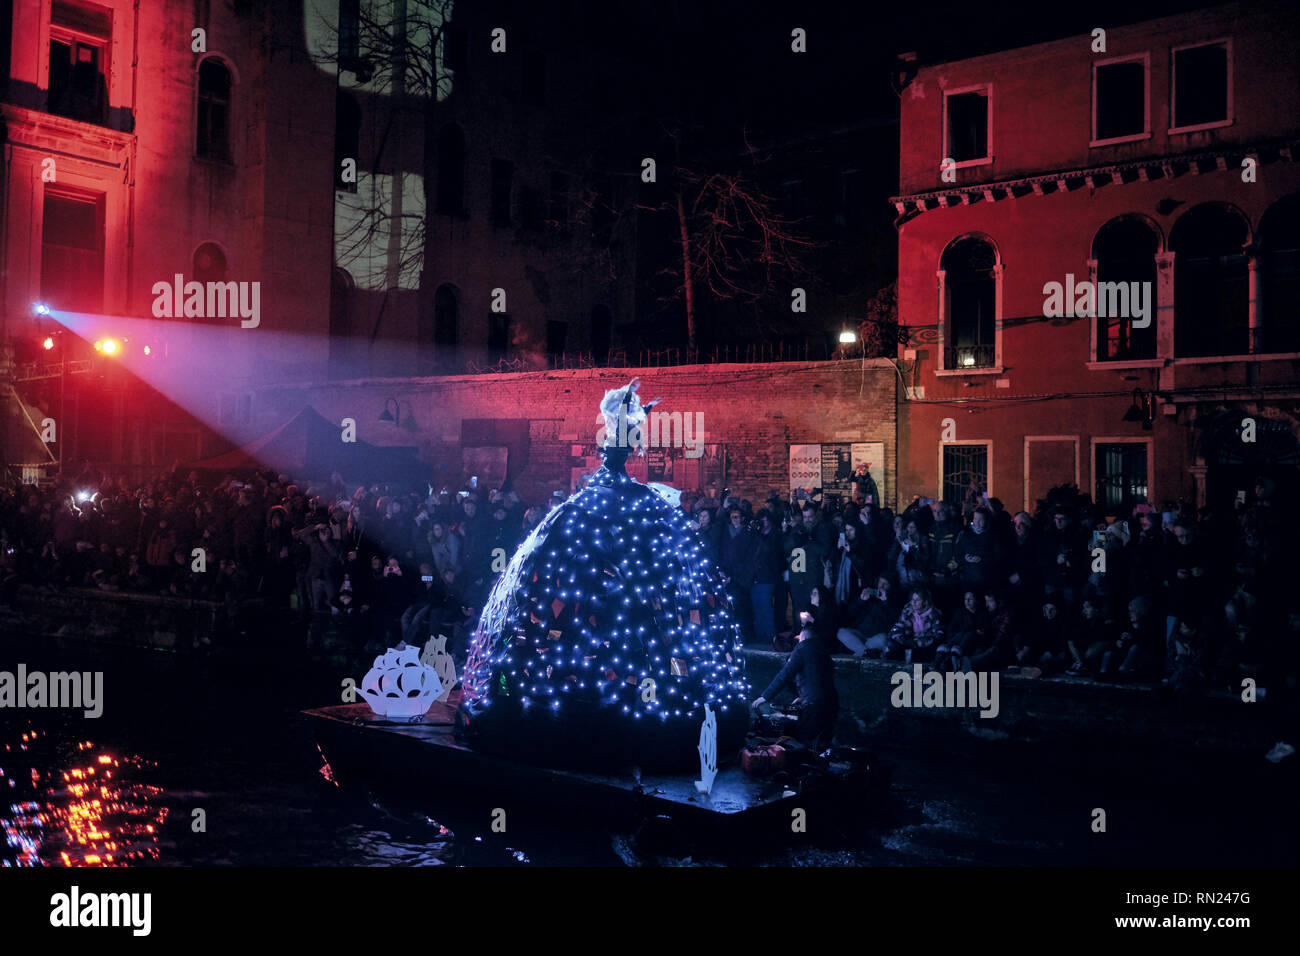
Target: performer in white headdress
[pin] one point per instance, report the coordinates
(624, 415)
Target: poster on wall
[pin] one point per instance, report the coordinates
(805, 471)
(836, 470)
(872, 454)
(659, 464)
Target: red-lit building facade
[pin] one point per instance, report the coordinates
(1158, 156)
(379, 174)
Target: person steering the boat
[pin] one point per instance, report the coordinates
(811, 672)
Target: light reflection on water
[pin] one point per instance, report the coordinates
(76, 804)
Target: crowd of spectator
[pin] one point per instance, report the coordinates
(1191, 601)
(396, 565)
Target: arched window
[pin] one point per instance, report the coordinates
(451, 171)
(1125, 252)
(446, 317)
(602, 333)
(439, 336)
(1279, 263)
(347, 139)
(1210, 282)
(213, 140)
(341, 346)
(970, 302)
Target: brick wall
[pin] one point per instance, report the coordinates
(754, 411)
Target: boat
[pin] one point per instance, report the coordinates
(423, 756)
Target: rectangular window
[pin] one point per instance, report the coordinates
(503, 174)
(556, 333)
(212, 139)
(1119, 100)
(349, 31)
(961, 465)
(498, 336)
(455, 47)
(80, 37)
(1202, 86)
(72, 251)
(1121, 474)
(530, 207)
(967, 121)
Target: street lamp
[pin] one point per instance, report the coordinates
(1141, 410)
(847, 337)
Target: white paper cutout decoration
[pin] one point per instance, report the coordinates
(708, 751)
(399, 685)
(435, 655)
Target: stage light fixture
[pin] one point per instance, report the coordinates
(48, 343)
(40, 308)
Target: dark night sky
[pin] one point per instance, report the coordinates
(722, 60)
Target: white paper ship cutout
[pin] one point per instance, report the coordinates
(708, 751)
(435, 655)
(399, 685)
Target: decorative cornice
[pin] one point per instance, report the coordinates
(47, 132)
(1094, 177)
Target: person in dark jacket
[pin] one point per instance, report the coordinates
(1089, 636)
(912, 558)
(735, 547)
(997, 645)
(946, 564)
(1186, 582)
(875, 534)
(1043, 649)
(762, 571)
(1064, 559)
(966, 630)
(708, 532)
(810, 671)
(804, 551)
(864, 486)
(1138, 652)
(870, 618)
(976, 553)
(1023, 575)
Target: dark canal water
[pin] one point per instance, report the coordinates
(224, 736)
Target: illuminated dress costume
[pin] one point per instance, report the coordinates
(609, 630)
